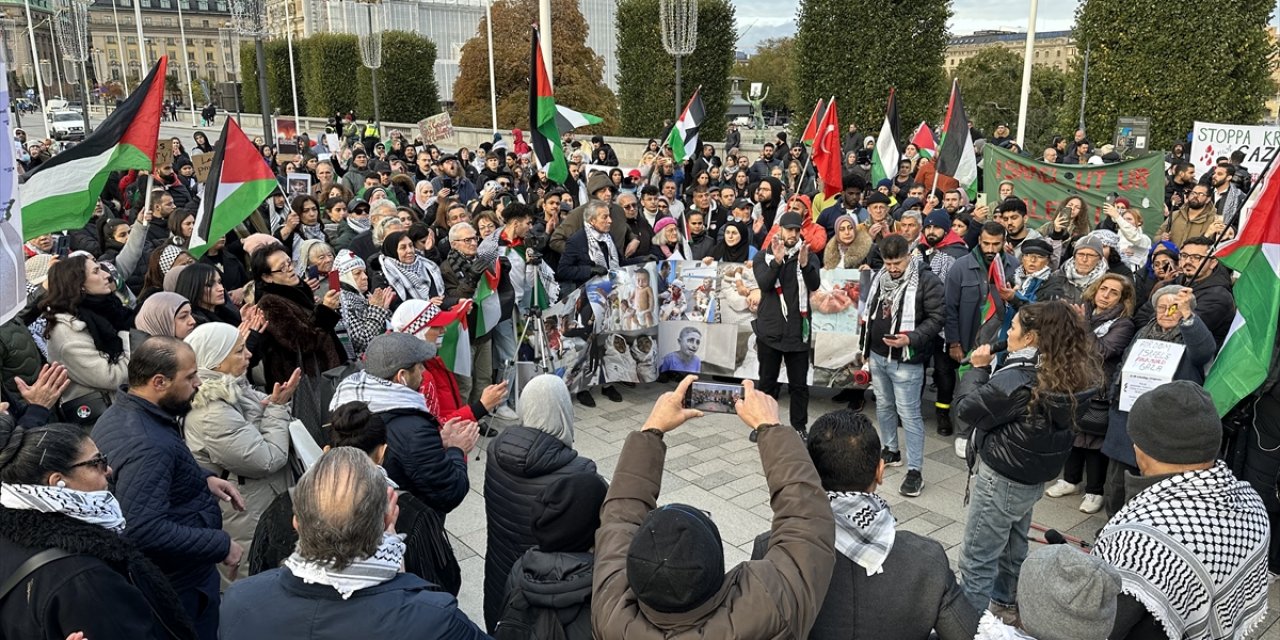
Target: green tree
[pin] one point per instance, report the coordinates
(773, 65)
(1228, 54)
(578, 73)
(279, 88)
(646, 73)
(406, 81)
(325, 58)
(991, 82)
(857, 49)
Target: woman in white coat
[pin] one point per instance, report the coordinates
(236, 431)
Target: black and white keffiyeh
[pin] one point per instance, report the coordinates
(420, 280)
(380, 395)
(1193, 550)
(594, 238)
(92, 507)
(802, 291)
(899, 295)
(864, 528)
(363, 573)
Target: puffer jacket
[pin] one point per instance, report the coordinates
(779, 332)
(231, 433)
(522, 461)
(19, 356)
(173, 517)
(88, 369)
(546, 593)
(1027, 446)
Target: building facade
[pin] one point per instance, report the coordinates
(1052, 48)
(117, 57)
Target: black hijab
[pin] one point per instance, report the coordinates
(390, 243)
(740, 252)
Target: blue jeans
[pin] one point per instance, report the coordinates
(995, 537)
(898, 388)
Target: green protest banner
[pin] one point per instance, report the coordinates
(1044, 186)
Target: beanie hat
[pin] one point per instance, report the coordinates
(1176, 423)
(1090, 242)
(884, 183)
(676, 561)
(566, 513)
(1065, 594)
(256, 241)
(1123, 201)
(346, 262)
(1107, 237)
(37, 268)
(661, 224)
(938, 218)
(391, 352)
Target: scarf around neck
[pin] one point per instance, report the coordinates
(802, 291)
(379, 394)
(92, 507)
(362, 573)
(420, 280)
(1192, 549)
(1083, 280)
(105, 316)
(596, 253)
(864, 528)
(900, 295)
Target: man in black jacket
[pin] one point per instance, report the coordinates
(903, 317)
(1209, 281)
(878, 567)
(787, 274)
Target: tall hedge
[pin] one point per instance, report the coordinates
(407, 89)
(646, 73)
(1228, 53)
(857, 49)
(328, 57)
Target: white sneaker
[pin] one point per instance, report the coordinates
(1062, 488)
(504, 412)
(961, 443)
(1092, 503)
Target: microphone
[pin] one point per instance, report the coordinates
(1053, 536)
(996, 347)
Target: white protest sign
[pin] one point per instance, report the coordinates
(1150, 364)
(1211, 140)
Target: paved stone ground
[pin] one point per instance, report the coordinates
(711, 464)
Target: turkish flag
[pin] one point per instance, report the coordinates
(826, 152)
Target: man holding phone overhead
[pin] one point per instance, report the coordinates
(902, 318)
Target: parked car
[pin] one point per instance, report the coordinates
(67, 125)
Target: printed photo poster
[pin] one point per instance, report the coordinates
(834, 312)
(299, 185)
(564, 348)
(627, 342)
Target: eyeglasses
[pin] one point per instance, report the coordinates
(471, 240)
(1191, 257)
(99, 461)
(287, 267)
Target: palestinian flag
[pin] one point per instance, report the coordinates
(567, 119)
(955, 154)
(238, 182)
(884, 159)
(1246, 354)
(488, 305)
(683, 137)
(828, 159)
(995, 274)
(544, 135)
(811, 129)
(923, 140)
(455, 342)
(60, 194)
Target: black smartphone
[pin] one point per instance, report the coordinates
(62, 246)
(1111, 197)
(712, 397)
(313, 272)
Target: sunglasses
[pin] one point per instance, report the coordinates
(99, 461)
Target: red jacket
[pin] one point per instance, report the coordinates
(440, 388)
(813, 233)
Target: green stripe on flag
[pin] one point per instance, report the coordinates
(488, 304)
(49, 207)
(233, 209)
(455, 349)
(1246, 354)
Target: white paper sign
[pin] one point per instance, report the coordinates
(1151, 363)
(1211, 140)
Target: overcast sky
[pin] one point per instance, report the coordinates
(763, 19)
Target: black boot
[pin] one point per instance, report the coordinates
(586, 399)
(944, 422)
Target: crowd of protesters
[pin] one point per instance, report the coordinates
(165, 406)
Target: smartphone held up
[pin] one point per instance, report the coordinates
(711, 397)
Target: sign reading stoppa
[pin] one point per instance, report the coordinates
(1210, 140)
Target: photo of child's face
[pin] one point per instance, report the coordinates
(644, 343)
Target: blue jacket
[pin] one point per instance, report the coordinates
(172, 516)
(418, 462)
(276, 604)
(966, 289)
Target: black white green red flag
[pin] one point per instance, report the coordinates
(544, 134)
(238, 182)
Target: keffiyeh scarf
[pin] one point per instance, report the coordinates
(864, 528)
(379, 394)
(899, 296)
(420, 280)
(1083, 280)
(92, 507)
(598, 258)
(363, 573)
(1193, 550)
(802, 291)
(1027, 284)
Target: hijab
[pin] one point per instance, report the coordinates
(722, 252)
(545, 405)
(156, 316)
(212, 342)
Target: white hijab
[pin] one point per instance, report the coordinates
(545, 405)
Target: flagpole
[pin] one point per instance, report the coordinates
(809, 161)
(35, 59)
(1026, 73)
(493, 92)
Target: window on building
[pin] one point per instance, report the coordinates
(208, 56)
(171, 41)
(111, 39)
(166, 4)
(146, 21)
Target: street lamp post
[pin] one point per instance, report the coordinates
(679, 22)
(230, 57)
(250, 17)
(71, 22)
(186, 63)
(35, 59)
(8, 27)
(371, 52)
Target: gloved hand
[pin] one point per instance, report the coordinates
(599, 271)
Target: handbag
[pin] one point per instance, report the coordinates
(86, 409)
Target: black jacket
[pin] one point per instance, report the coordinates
(1215, 303)
(862, 607)
(522, 462)
(548, 596)
(418, 461)
(929, 320)
(1026, 445)
(575, 265)
(966, 289)
(784, 334)
(107, 589)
